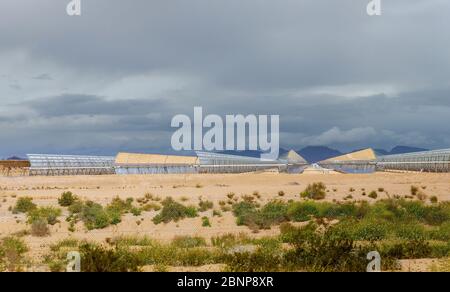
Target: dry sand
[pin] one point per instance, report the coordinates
(213, 187)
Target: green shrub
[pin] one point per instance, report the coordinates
(49, 214)
(414, 190)
(12, 254)
(39, 228)
(151, 207)
(205, 206)
(76, 207)
(370, 230)
(94, 216)
(118, 205)
(174, 211)
(67, 199)
(259, 261)
(24, 205)
(302, 211)
(274, 212)
(136, 211)
(225, 241)
(205, 222)
(96, 258)
(315, 191)
(414, 249)
(441, 233)
(327, 251)
(373, 195)
(409, 231)
(188, 241)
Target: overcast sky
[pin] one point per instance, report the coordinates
(113, 78)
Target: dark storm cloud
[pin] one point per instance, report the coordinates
(43, 76)
(79, 104)
(305, 60)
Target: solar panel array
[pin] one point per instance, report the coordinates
(45, 164)
(224, 163)
(425, 161)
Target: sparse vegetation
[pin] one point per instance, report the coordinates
(12, 254)
(205, 206)
(373, 195)
(174, 211)
(40, 228)
(315, 191)
(67, 199)
(206, 222)
(24, 205)
(48, 214)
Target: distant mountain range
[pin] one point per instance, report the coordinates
(314, 154)
(15, 158)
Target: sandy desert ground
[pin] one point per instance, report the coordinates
(190, 188)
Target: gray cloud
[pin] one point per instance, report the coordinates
(113, 78)
(43, 76)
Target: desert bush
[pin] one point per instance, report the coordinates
(225, 241)
(206, 222)
(151, 207)
(231, 195)
(315, 191)
(409, 231)
(67, 199)
(94, 216)
(119, 206)
(188, 241)
(414, 249)
(76, 207)
(370, 230)
(24, 205)
(433, 199)
(272, 213)
(49, 214)
(441, 233)
(96, 258)
(302, 211)
(171, 255)
(328, 251)
(205, 206)
(281, 193)
(261, 260)
(414, 190)
(12, 254)
(136, 211)
(39, 228)
(373, 195)
(174, 211)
